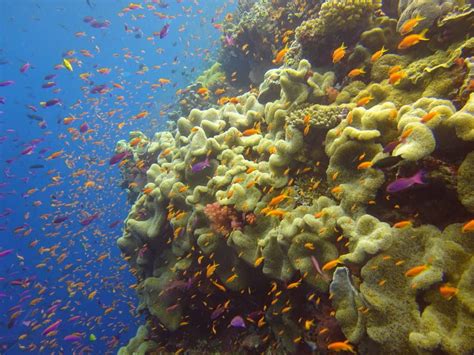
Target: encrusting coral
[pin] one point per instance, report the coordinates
(306, 211)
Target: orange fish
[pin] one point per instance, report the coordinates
(416, 270)
(104, 70)
(163, 81)
(410, 24)
(251, 131)
(55, 155)
(202, 91)
(141, 115)
(468, 227)
(280, 55)
(356, 72)
(341, 346)
(364, 101)
(376, 56)
(364, 165)
(339, 53)
(331, 264)
(429, 116)
(68, 120)
(396, 77)
(402, 224)
(413, 39)
(448, 292)
(135, 141)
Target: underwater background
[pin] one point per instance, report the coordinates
(268, 176)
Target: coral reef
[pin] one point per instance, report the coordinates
(313, 210)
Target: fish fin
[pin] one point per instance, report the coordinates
(422, 35)
(418, 178)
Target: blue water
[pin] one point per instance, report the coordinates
(35, 190)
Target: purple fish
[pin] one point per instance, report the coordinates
(99, 89)
(60, 219)
(7, 211)
(50, 76)
(83, 128)
(28, 150)
(48, 85)
(164, 31)
(51, 328)
(237, 322)
(7, 83)
(118, 157)
(2, 100)
(404, 183)
(200, 166)
(391, 146)
(88, 220)
(114, 224)
(88, 19)
(25, 67)
(217, 312)
(5, 252)
(72, 337)
(51, 102)
(97, 24)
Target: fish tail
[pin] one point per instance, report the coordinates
(422, 35)
(419, 176)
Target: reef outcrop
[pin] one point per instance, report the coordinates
(314, 210)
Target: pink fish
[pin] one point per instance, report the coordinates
(5, 252)
(404, 183)
(25, 67)
(237, 322)
(83, 128)
(118, 157)
(7, 83)
(73, 337)
(28, 150)
(52, 327)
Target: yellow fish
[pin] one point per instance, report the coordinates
(67, 64)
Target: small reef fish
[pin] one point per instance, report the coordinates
(411, 40)
(395, 77)
(401, 184)
(164, 31)
(60, 219)
(24, 68)
(88, 220)
(195, 168)
(364, 100)
(237, 322)
(356, 72)
(376, 56)
(410, 24)
(416, 270)
(4, 253)
(468, 227)
(448, 292)
(341, 346)
(67, 64)
(73, 337)
(7, 83)
(339, 53)
(51, 328)
(118, 157)
(280, 55)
